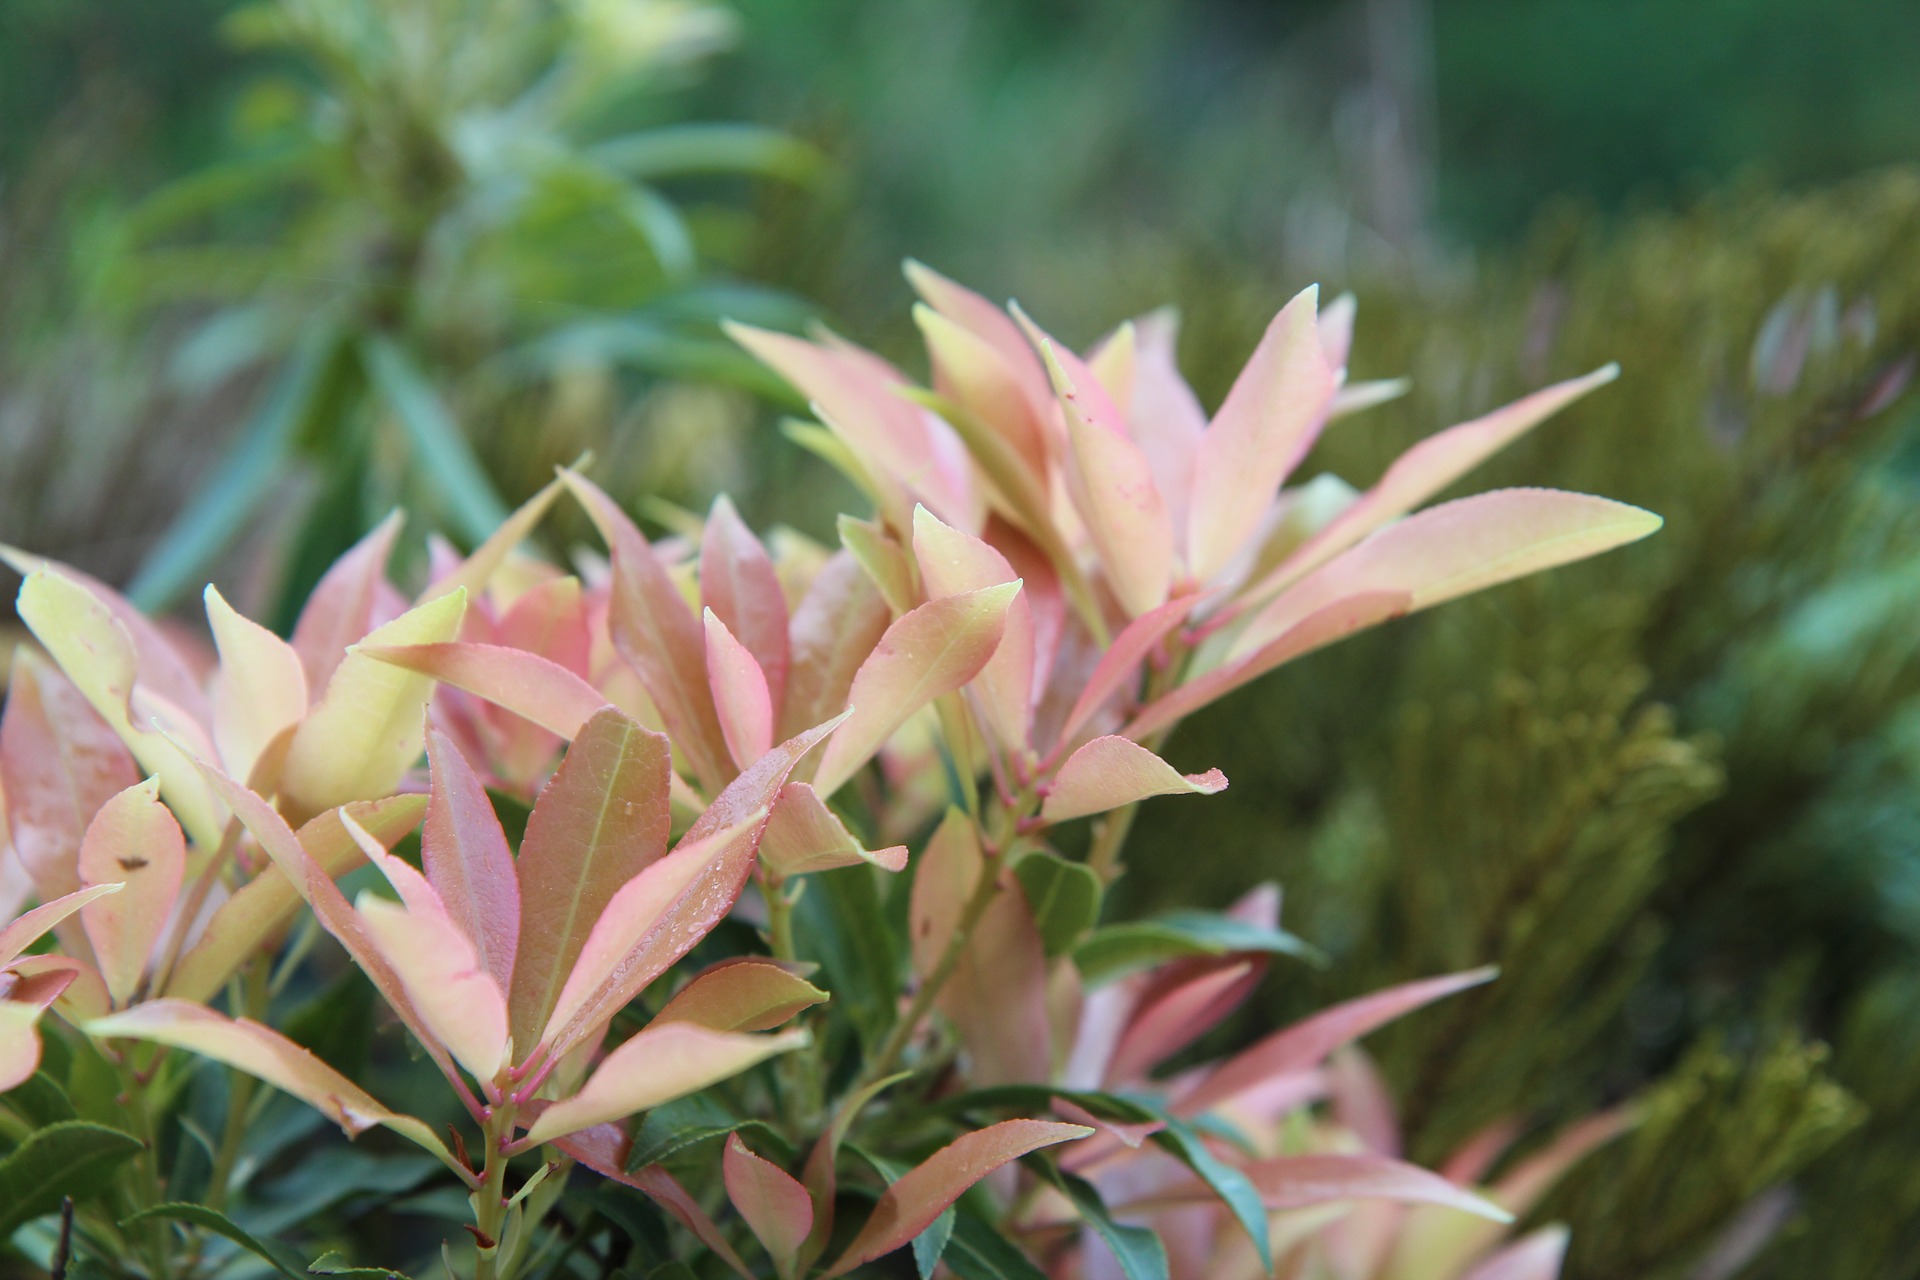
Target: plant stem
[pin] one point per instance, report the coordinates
(490, 1201)
(1104, 857)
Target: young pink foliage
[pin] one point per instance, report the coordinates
(926, 653)
(910, 1205)
(1449, 550)
(1298, 1182)
(59, 762)
(1120, 663)
(748, 993)
(952, 562)
(474, 573)
(1113, 488)
(1113, 771)
(803, 835)
(550, 619)
(1266, 425)
(1425, 470)
(1307, 1043)
(342, 608)
(657, 1065)
(658, 635)
(467, 861)
(519, 680)
(25, 930)
(266, 1055)
(1164, 416)
(601, 821)
(1331, 622)
(740, 693)
(979, 378)
(133, 841)
(1535, 1256)
(260, 690)
(738, 583)
(836, 625)
(775, 1206)
(1178, 1010)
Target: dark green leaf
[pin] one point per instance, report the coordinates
(73, 1158)
(1233, 1187)
(978, 1252)
(837, 921)
(672, 1271)
(678, 1125)
(1120, 949)
(930, 1244)
(1028, 1100)
(333, 1175)
(39, 1100)
(446, 460)
(284, 1260)
(1064, 897)
(1138, 1250)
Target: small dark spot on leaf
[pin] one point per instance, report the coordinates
(132, 864)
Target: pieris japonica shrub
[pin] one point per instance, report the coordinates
(784, 945)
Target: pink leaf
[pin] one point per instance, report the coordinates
(524, 683)
(266, 1055)
(465, 854)
(1165, 418)
(550, 619)
(738, 582)
(657, 1065)
(19, 1042)
(1455, 548)
(1121, 661)
(926, 653)
(992, 326)
(262, 907)
(983, 381)
(474, 573)
(835, 627)
(1113, 771)
(1335, 621)
(341, 609)
(1178, 1009)
(604, 1148)
(803, 835)
(1425, 470)
(658, 635)
(740, 693)
(952, 562)
(1307, 1043)
(133, 841)
(1113, 489)
(30, 927)
(1298, 1182)
(601, 821)
(776, 1207)
(1534, 1256)
(910, 1205)
(744, 994)
(59, 762)
(1266, 425)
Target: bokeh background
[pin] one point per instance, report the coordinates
(268, 270)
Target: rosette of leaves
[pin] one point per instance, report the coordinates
(448, 233)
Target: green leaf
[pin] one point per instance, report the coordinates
(1120, 949)
(672, 1271)
(931, 1244)
(40, 1101)
(1063, 896)
(672, 1128)
(73, 1158)
(230, 496)
(838, 921)
(708, 148)
(445, 459)
(1138, 1250)
(283, 1259)
(978, 1252)
(1031, 1099)
(332, 1264)
(1233, 1187)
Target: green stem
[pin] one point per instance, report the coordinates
(240, 1090)
(490, 1201)
(1108, 840)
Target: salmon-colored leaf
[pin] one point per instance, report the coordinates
(342, 608)
(29, 927)
(775, 1206)
(1265, 426)
(738, 582)
(1534, 1256)
(1113, 771)
(465, 854)
(926, 653)
(952, 562)
(604, 1150)
(658, 1064)
(260, 690)
(132, 841)
(744, 994)
(741, 694)
(1299, 1182)
(910, 1205)
(803, 835)
(602, 820)
(1121, 661)
(837, 623)
(522, 682)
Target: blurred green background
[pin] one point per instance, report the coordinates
(269, 270)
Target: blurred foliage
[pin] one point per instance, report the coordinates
(1671, 793)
